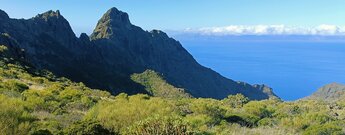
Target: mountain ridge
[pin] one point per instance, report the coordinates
(330, 92)
(114, 51)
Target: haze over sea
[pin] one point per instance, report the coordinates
(293, 68)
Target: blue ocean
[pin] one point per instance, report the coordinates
(293, 69)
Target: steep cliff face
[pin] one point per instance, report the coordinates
(330, 92)
(116, 50)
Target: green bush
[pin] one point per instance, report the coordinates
(87, 128)
(124, 111)
(266, 122)
(207, 110)
(41, 132)
(159, 126)
(324, 129)
(236, 101)
(258, 108)
(13, 85)
(14, 119)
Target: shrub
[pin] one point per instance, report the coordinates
(14, 119)
(236, 101)
(70, 94)
(324, 129)
(266, 122)
(124, 111)
(14, 85)
(209, 111)
(41, 132)
(87, 128)
(159, 126)
(258, 108)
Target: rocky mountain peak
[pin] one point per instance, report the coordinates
(159, 33)
(52, 23)
(116, 50)
(53, 18)
(113, 22)
(50, 14)
(116, 16)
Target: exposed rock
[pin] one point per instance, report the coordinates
(330, 92)
(55, 25)
(266, 89)
(115, 50)
(113, 24)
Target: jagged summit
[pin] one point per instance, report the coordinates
(55, 25)
(116, 50)
(112, 23)
(117, 16)
(50, 14)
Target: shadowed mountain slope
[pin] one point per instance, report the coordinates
(115, 50)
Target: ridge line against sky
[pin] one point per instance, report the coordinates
(199, 15)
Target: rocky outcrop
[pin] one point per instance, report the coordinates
(267, 90)
(330, 92)
(116, 50)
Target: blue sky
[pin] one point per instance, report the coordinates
(181, 14)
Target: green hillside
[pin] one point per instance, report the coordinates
(157, 86)
(38, 103)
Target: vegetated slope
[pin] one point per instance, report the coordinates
(157, 86)
(36, 102)
(267, 90)
(330, 92)
(116, 50)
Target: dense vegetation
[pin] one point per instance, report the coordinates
(38, 103)
(157, 86)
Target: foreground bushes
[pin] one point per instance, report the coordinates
(159, 125)
(14, 118)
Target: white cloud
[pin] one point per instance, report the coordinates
(269, 30)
